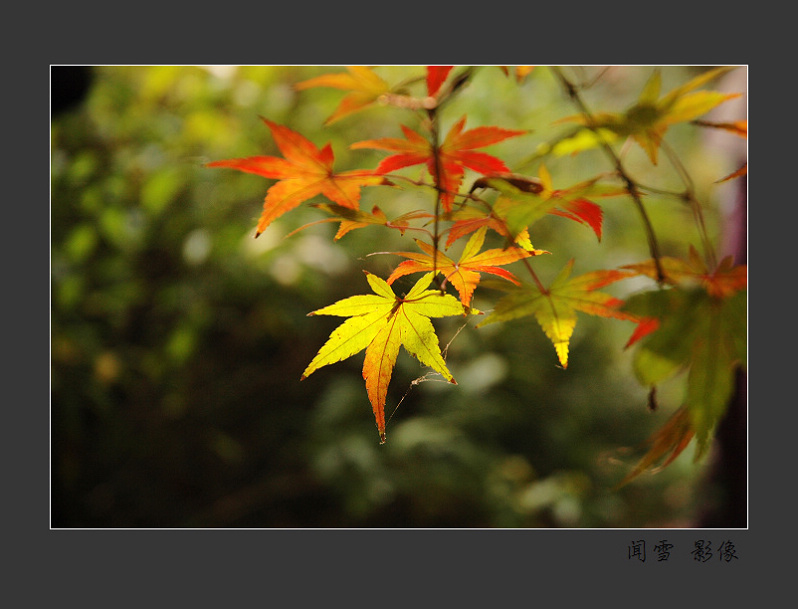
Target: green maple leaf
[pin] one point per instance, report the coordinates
(524, 200)
(382, 322)
(555, 308)
(647, 120)
(701, 326)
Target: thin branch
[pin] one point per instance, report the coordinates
(631, 185)
(690, 197)
(433, 117)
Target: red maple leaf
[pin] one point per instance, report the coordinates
(454, 155)
(305, 172)
(436, 75)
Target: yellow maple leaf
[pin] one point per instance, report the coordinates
(380, 323)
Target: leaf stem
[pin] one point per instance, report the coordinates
(534, 275)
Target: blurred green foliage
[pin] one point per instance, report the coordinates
(178, 340)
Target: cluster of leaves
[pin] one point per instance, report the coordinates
(694, 317)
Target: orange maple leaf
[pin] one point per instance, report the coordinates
(464, 275)
(721, 282)
(665, 444)
(364, 85)
(455, 154)
(351, 219)
(305, 172)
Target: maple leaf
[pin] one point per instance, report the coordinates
(647, 121)
(455, 154)
(436, 76)
(555, 308)
(705, 335)
(464, 274)
(671, 440)
(726, 279)
(364, 85)
(380, 323)
(701, 326)
(645, 326)
(306, 171)
(352, 219)
(469, 219)
(524, 200)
